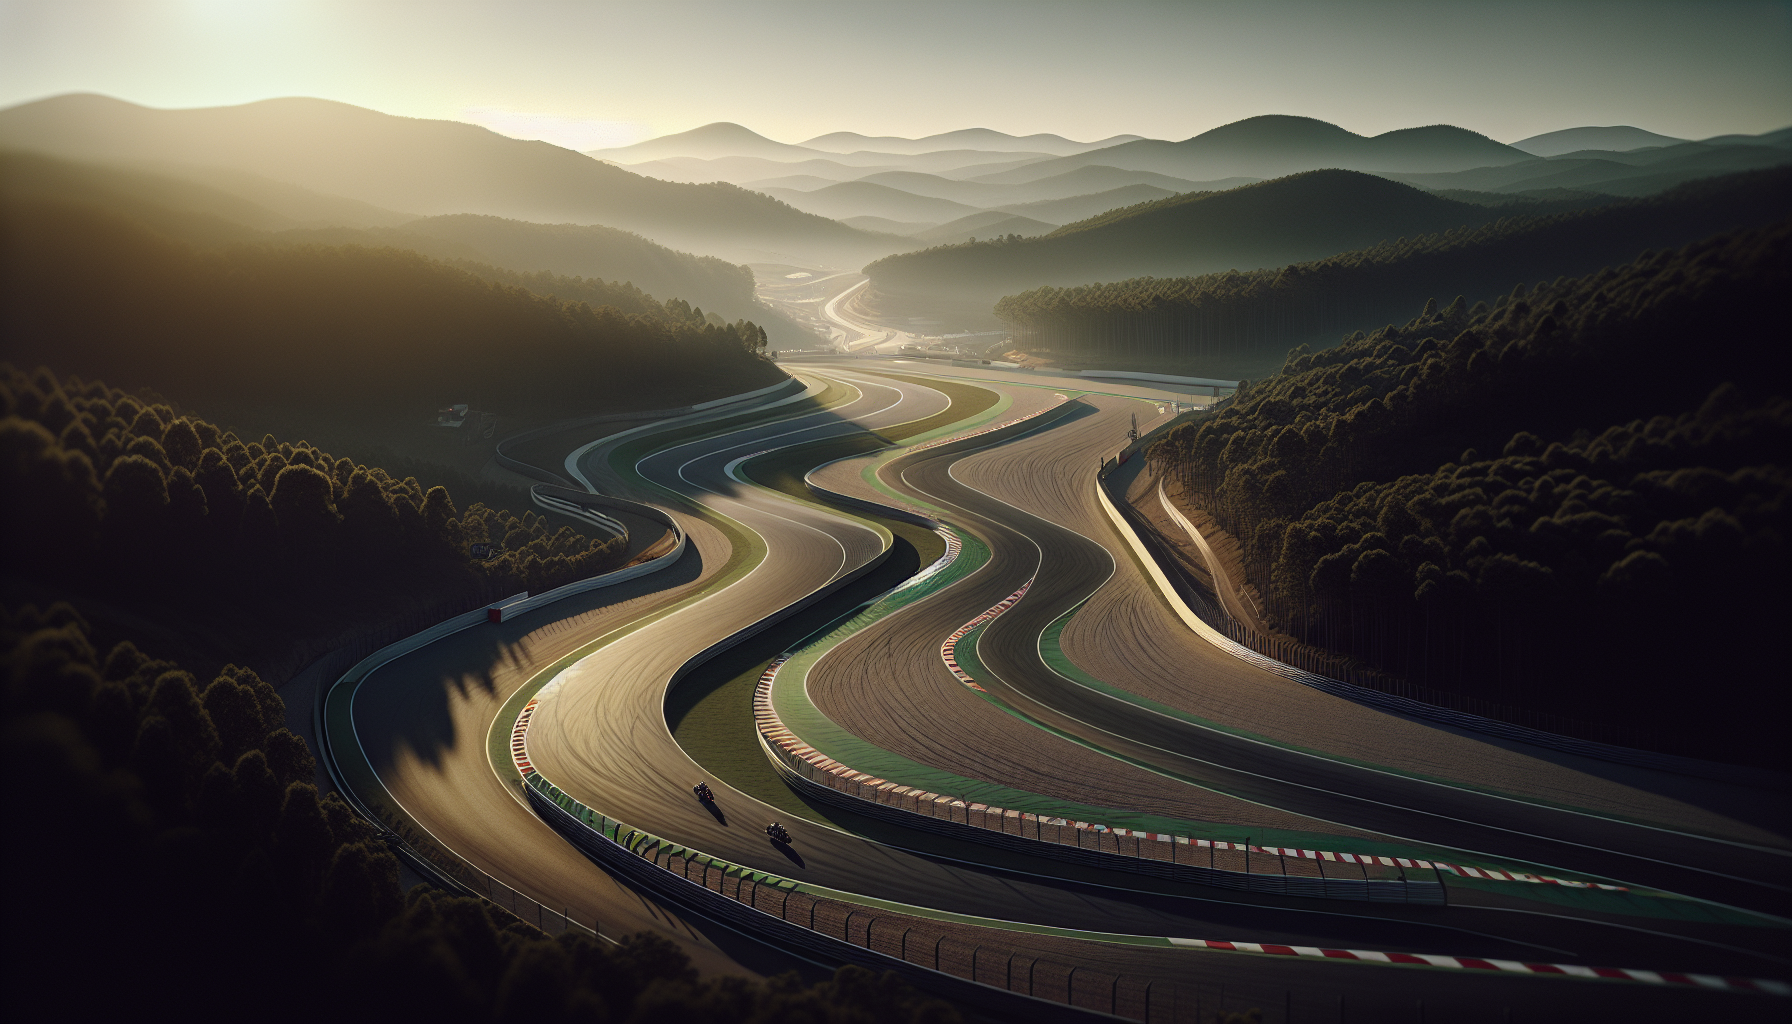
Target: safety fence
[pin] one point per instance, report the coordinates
(971, 964)
(1181, 858)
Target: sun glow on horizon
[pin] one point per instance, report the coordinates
(574, 133)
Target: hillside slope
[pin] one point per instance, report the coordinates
(1518, 504)
(870, 199)
(966, 138)
(1618, 138)
(427, 167)
(1071, 209)
(211, 217)
(1236, 325)
(1303, 217)
(1275, 145)
(99, 293)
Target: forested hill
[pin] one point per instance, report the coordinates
(147, 557)
(1239, 325)
(108, 493)
(428, 168)
(319, 326)
(533, 255)
(1302, 217)
(1272, 145)
(209, 216)
(1518, 503)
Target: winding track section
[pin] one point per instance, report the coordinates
(600, 731)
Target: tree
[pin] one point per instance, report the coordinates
(360, 890)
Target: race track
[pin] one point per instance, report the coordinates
(1176, 728)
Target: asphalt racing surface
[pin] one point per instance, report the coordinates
(600, 733)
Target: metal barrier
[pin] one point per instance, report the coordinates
(934, 954)
(1178, 858)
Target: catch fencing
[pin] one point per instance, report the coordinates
(971, 964)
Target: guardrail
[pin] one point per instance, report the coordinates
(806, 770)
(773, 908)
(1159, 378)
(1178, 858)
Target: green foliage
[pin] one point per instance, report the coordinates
(334, 327)
(173, 886)
(1303, 216)
(1239, 320)
(1519, 504)
(119, 520)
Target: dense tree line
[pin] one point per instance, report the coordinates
(346, 326)
(1239, 323)
(589, 250)
(494, 248)
(173, 861)
(621, 296)
(130, 503)
(1575, 501)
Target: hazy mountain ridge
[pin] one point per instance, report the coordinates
(428, 167)
(1275, 145)
(210, 218)
(1233, 323)
(967, 138)
(1071, 209)
(988, 223)
(870, 199)
(1615, 138)
(1637, 172)
(1300, 217)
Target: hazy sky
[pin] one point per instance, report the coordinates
(591, 74)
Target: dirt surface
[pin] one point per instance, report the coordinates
(1206, 544)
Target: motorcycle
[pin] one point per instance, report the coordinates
(703, 792)
(777, 833)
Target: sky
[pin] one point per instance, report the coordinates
(596, 74)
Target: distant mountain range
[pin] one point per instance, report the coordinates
(871, 199)
(1076, 208)
(987, 224)
(968, 138)
(725, 145)
(1638, 172)
(725, 139)
(1617, 138)
(956, 163)
(928, 199)
(1274, 145)
(837, 200)
(431, 167)
(1573, 165)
